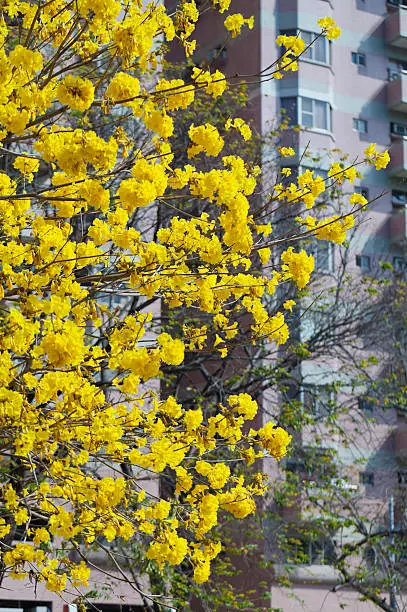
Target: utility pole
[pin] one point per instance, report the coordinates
(393, 600)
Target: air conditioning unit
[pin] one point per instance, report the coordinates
(393, 74)
(399, 197)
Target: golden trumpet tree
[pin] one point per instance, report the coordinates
(76, 378)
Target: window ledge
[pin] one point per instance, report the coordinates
(316, 63)
(319, 131)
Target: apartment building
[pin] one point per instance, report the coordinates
(346, 95)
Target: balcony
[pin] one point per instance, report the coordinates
(397, 93)
(398, 158)
(396, 28)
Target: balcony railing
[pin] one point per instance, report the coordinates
(396, 28)
(397, 93)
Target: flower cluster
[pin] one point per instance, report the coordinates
(80, 217)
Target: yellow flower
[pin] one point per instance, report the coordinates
(286, 151)
(26, 60)
(288, 305)
(294, 45)
(172, 350)
(298, 266)
(234, 23)
(4, 528)
(357, 198)
(80, 574)
(382, 160)
(27, 166)
(274, 440)
(328, 25)
(75, 92)
(205, 139)
(123, 88)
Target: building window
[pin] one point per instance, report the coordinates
(360, 125)
(313, 464)
(358, 58)
(399, 198)
(319, 399)
(399, 129)
(366, 405)
(290, 108)
(363, 262)
(319, 49)
(310, 548)
(324, 255)
(366, 478)
(218, 53)
(307, 111)
(364, 191)
(399, 263)
(24, 605)
(402, 477)
(315, 114)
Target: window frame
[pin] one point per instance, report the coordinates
(358, 123)
(399, 263)
(366, 478)
(309, 54)
(312, 549)
(364, 191)
(360, 258)
(365, 405)
(356, 57)
(318, 409)
(402, 477)
(312, 113)
(317, 249)
(298, 109)
(398, 129)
